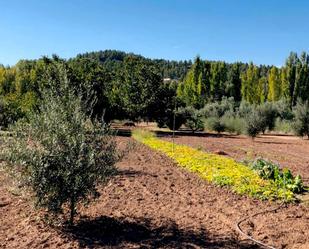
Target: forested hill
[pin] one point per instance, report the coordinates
(113, 60)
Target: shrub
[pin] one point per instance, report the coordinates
(245, 109)
(9, 113)
(301, 120)
(282, 125)
(215, 124)
(4, 119)
(283, 109)
(234, 124)
(193, 118)
(218, 109)
(254, 124)
(63, 155)
(268, 114)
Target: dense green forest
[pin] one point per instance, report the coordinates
(128, 86)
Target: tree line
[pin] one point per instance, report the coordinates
(208, 81)
(129, 86)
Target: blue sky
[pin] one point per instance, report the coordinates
(262, 31)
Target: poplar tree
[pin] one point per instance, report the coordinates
(193, 90)
(274, 84)
(250, 85)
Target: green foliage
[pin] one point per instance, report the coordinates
(268, 114)
(193, 118)
(301, 120)
(193, 89)
(251, 88)
(285, 126)
(113, 60)
(233, 84)
(234, 124)
(274, 85)
(128, 86)
(258, 118)
(215, 124)
(245, 109)
(140, 88)
(6, 115)
(175, 121)
(63, 155)
(219, 108)
(283, 178)
(255, 124)
(165, 108)
(283, 109)
(218, 79)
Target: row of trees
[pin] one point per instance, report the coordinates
(244, 118)
(208, 81)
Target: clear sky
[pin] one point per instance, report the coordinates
(262, 31)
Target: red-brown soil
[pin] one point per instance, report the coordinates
(153, 203)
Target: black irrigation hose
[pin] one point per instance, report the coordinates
(256, 214)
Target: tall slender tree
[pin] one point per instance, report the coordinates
(274, 85)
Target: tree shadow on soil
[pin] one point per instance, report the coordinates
(133, 173)
(270, 142)
(141, 233)
(123, 132)
(185, 133)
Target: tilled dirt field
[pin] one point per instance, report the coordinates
(153, 203)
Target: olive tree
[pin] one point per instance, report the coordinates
(255, 123)
(63, 154)
(192, 118)
(301, 120)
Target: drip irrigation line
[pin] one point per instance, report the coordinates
(256, 214)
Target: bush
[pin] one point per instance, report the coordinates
(234, 124)
(245, 109)
(301, 120)
(215, 124)
(218, 109)
(268, 114)
(63, 155)
(283, 109)
(193, 118)
(254, 124)
(9, 113)
(284, 126)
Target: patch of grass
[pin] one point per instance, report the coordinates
(217, 169)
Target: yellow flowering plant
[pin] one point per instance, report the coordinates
(217, 169)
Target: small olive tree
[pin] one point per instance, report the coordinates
(301, 120)
(64, 155)
(268, 113)
(193, 118)
(255, 123)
